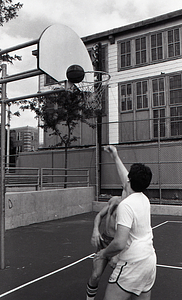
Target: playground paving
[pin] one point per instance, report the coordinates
(53, 260)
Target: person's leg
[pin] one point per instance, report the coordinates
(92, 286)
(114, 292)
(143, 296)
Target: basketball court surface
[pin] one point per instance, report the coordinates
(53, 260)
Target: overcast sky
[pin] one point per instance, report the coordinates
(85, 17)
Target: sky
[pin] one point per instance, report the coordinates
(85, 17)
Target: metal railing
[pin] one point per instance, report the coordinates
(45, 177)
(21, 177)
(60, 177)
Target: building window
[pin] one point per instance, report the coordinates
(159, 122)
(19, 149)
(175, 89)
(156, 47)
(173, 42)
(49, 80)
(158, 92)
(140, 50)
(142, 94)
(125, 97)
(19, 136)
(125, 54)
(176, 120)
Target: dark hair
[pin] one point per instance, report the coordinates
(140, 177)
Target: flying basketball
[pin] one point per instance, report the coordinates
(75, 73)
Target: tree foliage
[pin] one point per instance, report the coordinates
(9, 11)
(61, 112)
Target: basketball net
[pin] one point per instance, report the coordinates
(93, 86)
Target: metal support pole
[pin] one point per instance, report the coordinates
(159, 163)
(2, 196)
(8, 138)
(97, 164)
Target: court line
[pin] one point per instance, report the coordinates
(169, 267)
(46, 275)
(175, 221)
(166, 223)
(160, 224)
(166, 266)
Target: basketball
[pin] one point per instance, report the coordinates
(75, 73)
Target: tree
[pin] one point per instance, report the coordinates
(61, 112)
(9, 11)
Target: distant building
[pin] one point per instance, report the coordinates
(23, 139)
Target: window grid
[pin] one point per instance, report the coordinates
(142, 95)
(125, 48)
(140, 50)
(175, 89)
(126, 97)
(156, 47)
(153, 51)
(159, 120)
(158, 92)
(173, 42)
(176, 120)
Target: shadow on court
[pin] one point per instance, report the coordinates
(52, 260)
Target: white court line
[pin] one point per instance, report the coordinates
(44, 276)
(169, 267)
(166, 223)
(175, 221)
(160, 224)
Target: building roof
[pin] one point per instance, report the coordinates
(25, 128)
(141, 24)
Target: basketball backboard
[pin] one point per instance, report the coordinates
(60, 47)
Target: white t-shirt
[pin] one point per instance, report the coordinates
(134, 213)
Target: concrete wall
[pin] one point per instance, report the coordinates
(24, 208)
(172, 210)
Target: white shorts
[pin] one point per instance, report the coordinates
(135, 277)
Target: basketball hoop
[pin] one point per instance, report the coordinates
(93, 86)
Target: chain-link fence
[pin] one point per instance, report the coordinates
(157, 143)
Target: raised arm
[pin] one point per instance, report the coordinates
(122, 171)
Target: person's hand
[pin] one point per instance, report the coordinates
(99, 255)
(112, 150)
(96, 238)
(113, 261)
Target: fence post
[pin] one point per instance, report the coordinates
(159, 162)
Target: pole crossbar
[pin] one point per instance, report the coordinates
(20, 46)
(31, 96)
(20, 76)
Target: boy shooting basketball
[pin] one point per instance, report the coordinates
(134, 274)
